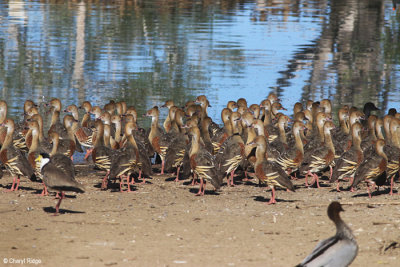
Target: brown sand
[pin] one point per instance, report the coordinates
(163, 223)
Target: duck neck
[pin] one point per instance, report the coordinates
(260, 154)
(342, 230)
(380, 152)
(298, 141)
(9, 138)
(99, 138)
(35, 141)
(85, 120)
(356, 141)
(132, 142)
(54, 148)
(71, 129)
(282, 133)
(235, 127)
(267, 117)
(205, 134)
(344, 126)
(55, 117)
(75, 114)
(328, 140)
(167, 123)
(320, 127)
(41, 135)
(154, 132)
(107, 135)
(118, 129)
(195, 142)
(251, 134)
(228, 127)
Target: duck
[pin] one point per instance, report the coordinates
(59, 156)
(368, 108)
(28, 104)
(202, 163)
(370, 138)
(13, 159)
(248, 121)
(326, 106)
(338, 250)
(343, 131)
(393, 153)
(318, 136)
(126, 161)
(57, 179)
(143, 161)
(204, 104)
(226, 131)
(317, 160)
(291, 159)
(36, 146)
(232, 152)
(178, 147)
(168, 121)
(267, 171)
(86, 121)
(101, 154)
(158, 140)
(73, 109)
(265, 113)
(349, 161)
(56, 125)
(373, 169)
(281, 143)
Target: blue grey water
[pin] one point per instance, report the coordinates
(146, 52)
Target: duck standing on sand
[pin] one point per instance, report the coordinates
(267, 171)
(339, 250)
(57, 179)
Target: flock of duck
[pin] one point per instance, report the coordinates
(253, 139)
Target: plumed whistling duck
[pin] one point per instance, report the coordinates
(202, 162)
(13, 159)
(317, 160)
(269, 172)
(232, 151)
(373, 169)
(292, 159)
(156, 137)
(167, 123)
(348, 162)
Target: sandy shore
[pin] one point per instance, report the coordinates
(163, 223)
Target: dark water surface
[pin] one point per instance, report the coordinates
(149, 51)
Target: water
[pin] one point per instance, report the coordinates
(146, 52)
